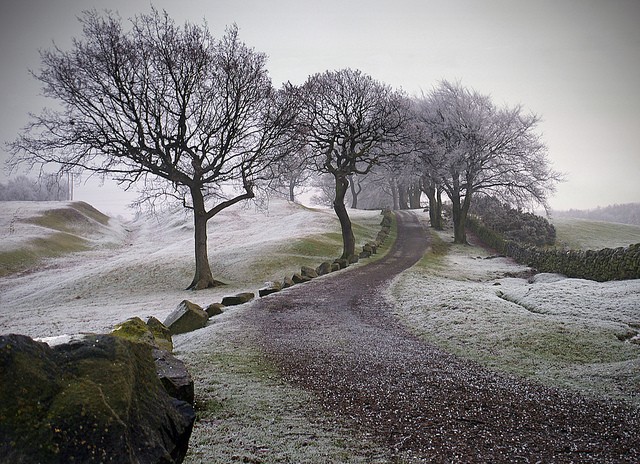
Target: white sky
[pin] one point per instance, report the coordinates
(574, 62)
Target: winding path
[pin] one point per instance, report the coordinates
(334, 336)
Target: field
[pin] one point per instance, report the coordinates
(565, 332)
(583, 234)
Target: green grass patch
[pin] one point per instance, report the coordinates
(437, 251)
(286, 258)
(317, 246)
(37, 249)
(69, 219)
(582, 234)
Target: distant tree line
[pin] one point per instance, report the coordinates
(628, 213)
(47, 187)
(188, 116)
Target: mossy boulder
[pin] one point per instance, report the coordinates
(288, 282)
(186, 317)
(153, 332)
(161, 334)
(96, 399)
(238, 299)
(342, 262)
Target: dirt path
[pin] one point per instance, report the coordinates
(335, 337)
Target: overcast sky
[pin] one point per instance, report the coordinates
(576, 63)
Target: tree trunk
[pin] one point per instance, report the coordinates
(460, 211)
(414, 196)
(292, 195)
(394, 193)
(354, 193)
(348, 239)
(403, 197)
(203, 277)
(438, 213)
(430, 191)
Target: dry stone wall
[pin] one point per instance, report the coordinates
(599, 265)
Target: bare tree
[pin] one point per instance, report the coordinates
(291, 173)
(188, 115)
(477, 147)
(352, 123)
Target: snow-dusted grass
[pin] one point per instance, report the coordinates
(583, 234)
(140, 268)
(245, 413)
(32, 232)
(566, 332)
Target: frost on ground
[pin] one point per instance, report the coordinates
(141, 268)
(247, 413)
(565, 332)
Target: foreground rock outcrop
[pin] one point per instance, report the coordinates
(97, 398)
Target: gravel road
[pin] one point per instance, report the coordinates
(334, 336)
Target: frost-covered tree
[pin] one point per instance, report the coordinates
(170, 108)
(47, 187)
(352, 123)
(474, 146)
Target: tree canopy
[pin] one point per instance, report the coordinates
(352, 123)
(171, 108)
(469, 146)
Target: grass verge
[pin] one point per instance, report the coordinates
(564, 332)
(245, 413)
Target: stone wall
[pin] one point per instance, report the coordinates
(599, 265)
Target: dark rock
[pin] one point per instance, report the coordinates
(371, 248)
(324, 268)
(353, 259)
(299, 279)
(186, 318)
(267, 291)
(238, 299)
(307, 271)
(335, 267)
(96, 399)
(364, 254)
(288, 282)
(174, 376)
(214, 309)
(343, 263)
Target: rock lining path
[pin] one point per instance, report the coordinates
(335, 337)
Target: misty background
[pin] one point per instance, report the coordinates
(574, 62)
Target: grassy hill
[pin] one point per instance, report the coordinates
(33, 232)
(586, 234)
